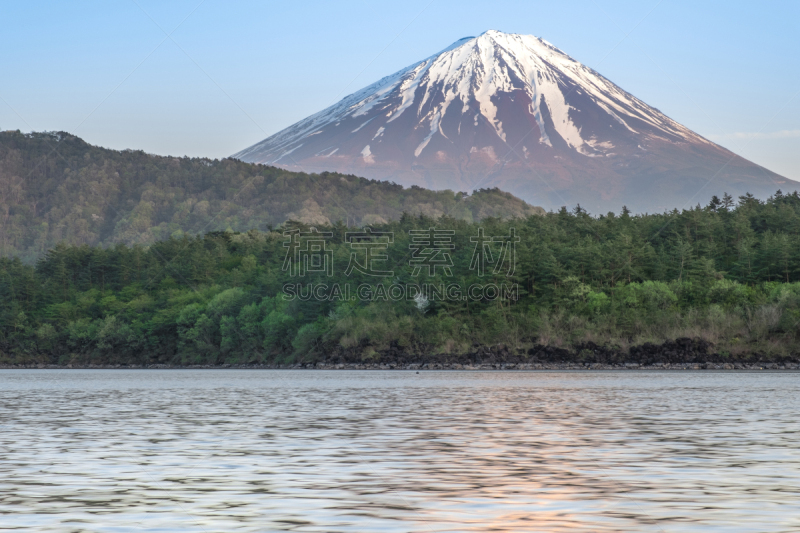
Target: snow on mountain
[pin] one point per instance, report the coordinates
(516, 112)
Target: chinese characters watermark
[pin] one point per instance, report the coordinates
(431, 252)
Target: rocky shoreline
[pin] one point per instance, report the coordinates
(426, 366)
(681, 354)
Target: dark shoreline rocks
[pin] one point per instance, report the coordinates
(680, 354)
(426, 366)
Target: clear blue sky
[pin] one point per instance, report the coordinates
(239, 71)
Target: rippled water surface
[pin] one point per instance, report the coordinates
(240, 451)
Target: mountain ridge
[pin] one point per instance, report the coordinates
(55, 187)
(516, 112)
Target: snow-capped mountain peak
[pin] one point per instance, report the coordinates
(495, 100)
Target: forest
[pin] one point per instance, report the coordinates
(54, 187)
(727, 273)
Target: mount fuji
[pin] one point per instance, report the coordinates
(515, 112)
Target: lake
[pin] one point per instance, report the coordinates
(397, 451)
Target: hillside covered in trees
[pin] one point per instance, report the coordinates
(54, 187)
(725, 275)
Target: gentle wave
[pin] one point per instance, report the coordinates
(241, 451)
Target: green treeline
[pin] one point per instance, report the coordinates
(54, 187)
(727, 273)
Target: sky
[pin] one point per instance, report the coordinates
(209, 78)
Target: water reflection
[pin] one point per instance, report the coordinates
(398, 451)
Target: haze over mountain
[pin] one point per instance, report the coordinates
(515, 112)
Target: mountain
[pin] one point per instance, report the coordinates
(55, 187)
(515, 112)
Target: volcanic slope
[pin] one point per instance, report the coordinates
(515, 112)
